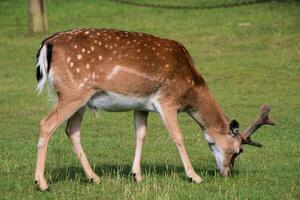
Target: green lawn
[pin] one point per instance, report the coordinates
(245, 67)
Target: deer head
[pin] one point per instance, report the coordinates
(226, 147)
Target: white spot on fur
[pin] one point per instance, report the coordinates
(71, 64)
(68, 59)
(92, 48)
(78, 70)
(79, 56)
(75, 46)
(81, 85)
(83, 50)
(86, 32)
(100, 57)
(87, 66)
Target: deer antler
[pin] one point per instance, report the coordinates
(263, 119)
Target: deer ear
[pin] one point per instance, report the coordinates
(234, 127)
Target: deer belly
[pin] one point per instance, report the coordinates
(109, 101)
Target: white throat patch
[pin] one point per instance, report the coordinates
(218, 154)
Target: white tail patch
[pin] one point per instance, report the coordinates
(42, 62)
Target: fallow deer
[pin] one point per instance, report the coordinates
(115, 70)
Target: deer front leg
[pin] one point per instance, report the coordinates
(140, 121)
(169, 117)
(73, 132)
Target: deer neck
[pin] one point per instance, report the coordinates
(207, 112)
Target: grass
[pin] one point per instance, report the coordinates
(245, 67)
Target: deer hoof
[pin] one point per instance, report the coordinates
(137, 177)
(196, 179)
(95, 179)
(42, 186)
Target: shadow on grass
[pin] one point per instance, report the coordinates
(124, 171)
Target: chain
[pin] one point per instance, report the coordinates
(212, 6)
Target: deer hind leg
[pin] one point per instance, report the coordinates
(169, 118)
(61, 112)
(73, 132)
(140, 121)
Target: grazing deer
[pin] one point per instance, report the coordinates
(115, 70)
